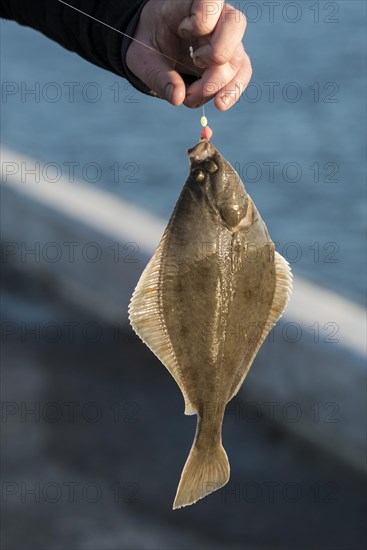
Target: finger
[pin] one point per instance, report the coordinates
(203, 19)
(231, 93)
(157, 73)
(224, 42)
(214, 79)
(212, 82)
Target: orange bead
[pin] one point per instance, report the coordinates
(206, 133)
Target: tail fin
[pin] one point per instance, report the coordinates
(206, 470)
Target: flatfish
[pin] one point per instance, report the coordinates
(205, 303)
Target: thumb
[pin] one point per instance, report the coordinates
(157, 73)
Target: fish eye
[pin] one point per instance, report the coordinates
(211, 167)
(198, 175)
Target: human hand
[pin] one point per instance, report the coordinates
(214, 30)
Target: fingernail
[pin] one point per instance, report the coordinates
(225, 100)
(199, 63)
(184, 34)
(184, 28)
(169, 91)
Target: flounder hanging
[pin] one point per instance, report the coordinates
(205, 303)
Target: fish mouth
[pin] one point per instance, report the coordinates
(201, 151)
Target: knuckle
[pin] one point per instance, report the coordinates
(152, 79)
(200, 27)
(235, 15)
(220, 56)
(237, 59)
(249, 64)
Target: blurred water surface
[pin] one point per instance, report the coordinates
(297, 137)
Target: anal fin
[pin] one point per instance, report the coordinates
(282, 293)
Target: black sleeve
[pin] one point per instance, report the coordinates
(76, 32)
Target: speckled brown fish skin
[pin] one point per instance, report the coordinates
(205, 303)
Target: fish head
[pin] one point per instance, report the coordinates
(214, 178)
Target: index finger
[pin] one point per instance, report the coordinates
(204, 17)
(224, 41)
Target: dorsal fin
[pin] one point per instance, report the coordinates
(146, 318)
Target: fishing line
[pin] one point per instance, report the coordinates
(191, 50)
(206, 132)
(124, 34)
(204, 122)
